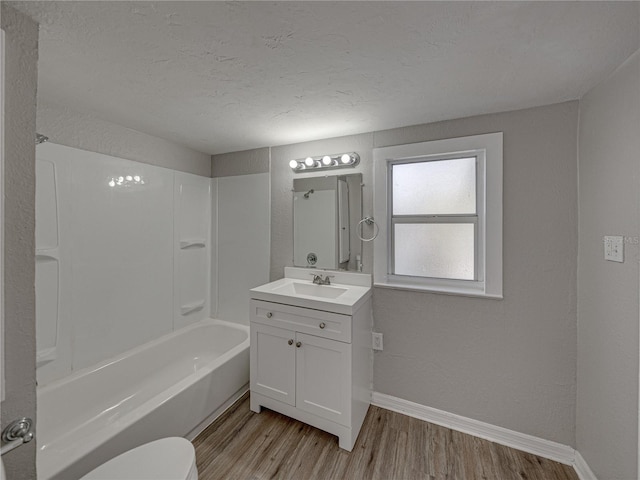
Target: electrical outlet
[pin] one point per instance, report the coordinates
(614, 248)
(376, 340)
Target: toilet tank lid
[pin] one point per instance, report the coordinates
(170, 458)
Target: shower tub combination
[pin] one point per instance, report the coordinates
(173, 386)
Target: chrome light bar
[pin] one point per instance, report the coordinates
(325, 162)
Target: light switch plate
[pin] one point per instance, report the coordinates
(614, 248)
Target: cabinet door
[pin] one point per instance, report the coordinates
(323, 382)
(273, 362)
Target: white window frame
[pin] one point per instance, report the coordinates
(487, 149)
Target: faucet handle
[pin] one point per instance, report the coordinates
(319, 280)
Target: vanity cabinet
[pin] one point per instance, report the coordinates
(312, 365)
(302, 370)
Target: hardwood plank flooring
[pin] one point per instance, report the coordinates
(245, 445)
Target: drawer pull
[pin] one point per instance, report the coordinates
(269, 314)
(298, 344)
(290, 342)
(322, 325)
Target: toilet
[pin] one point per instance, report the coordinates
(172, 458)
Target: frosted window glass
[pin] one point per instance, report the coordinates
(435, 188)
(437, 250)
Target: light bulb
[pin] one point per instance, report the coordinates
(112, 183)
(120, 179)
(129, 178)
(326, 160)
(345, 158)
(309, 162)
(293, 164)
(137, 178)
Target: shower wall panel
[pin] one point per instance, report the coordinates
(192, 246)
(243, 235)
(113, 227)
(52, 268)
(47, 262)
(122, 255)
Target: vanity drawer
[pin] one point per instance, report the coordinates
(305, 320)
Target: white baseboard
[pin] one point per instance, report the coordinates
(582, 469)
(510, 438)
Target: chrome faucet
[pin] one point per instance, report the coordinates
(318, 280)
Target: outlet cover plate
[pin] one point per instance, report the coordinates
(614, 248)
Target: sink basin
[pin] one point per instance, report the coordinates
(345, 295)
(310, 289)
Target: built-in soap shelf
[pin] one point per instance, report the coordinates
(191, 307)
(193, 243)
(45, 356)
(48, 254)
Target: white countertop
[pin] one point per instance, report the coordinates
(352, 290)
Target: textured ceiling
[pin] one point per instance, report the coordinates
(227, 76)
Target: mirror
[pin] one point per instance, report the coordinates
(326, 212)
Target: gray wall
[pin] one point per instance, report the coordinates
(21, 79)
(609, 200)
(509, 363)
(65, 126)
(282, 197)
(247, 162)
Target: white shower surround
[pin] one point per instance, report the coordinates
(117, 265)
(172, 386)
(134, 356)
(242, 233)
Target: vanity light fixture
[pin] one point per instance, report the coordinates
(325, 162)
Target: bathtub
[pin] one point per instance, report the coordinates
(173, 386)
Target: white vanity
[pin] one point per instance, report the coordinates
(311, 355)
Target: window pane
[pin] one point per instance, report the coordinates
(438, 250)
(434, 188)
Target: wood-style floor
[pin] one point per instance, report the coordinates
(245, 445)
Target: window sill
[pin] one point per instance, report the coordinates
(459, 291)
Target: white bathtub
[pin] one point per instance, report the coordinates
(173, 386)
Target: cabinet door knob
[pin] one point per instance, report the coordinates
(322, 325)
(298, 344)
(290, 342)
(269, 314)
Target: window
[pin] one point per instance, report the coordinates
(439, 208)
